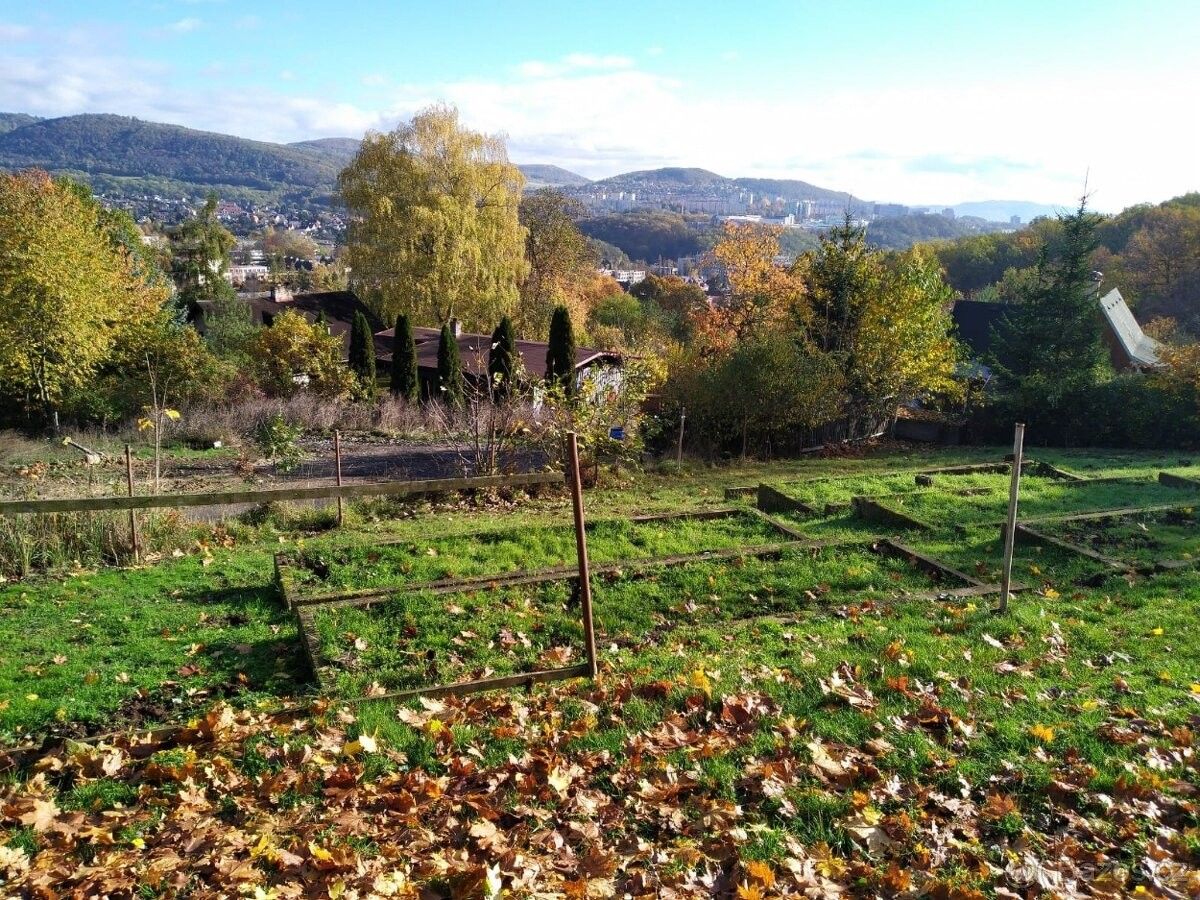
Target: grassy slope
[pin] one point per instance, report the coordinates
(966, 704)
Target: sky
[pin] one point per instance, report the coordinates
(910, 101)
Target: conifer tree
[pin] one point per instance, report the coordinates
(560, 360)
(503, 359)
(450, 376)
(1049, 348)
(362, 352)
(404, 361)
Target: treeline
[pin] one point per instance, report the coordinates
(651, 235)
(1150, 252)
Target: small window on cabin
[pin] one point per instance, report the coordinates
(268, 319)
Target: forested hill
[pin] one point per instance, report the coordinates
(125, 155)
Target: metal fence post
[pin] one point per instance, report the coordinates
(337, 455)
(133, 534)
(585, 581)
(1010, 527)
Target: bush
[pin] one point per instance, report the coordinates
(1128, 411)
(279, 441)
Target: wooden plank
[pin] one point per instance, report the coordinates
(698, 515)
(924, 562)
(524, 679)
(836, 507)
(746, 490)
(630, 568)
(1177, 481)
(779, 526)
(1040, 467)
(1040, 537)
(772, 500)
(274, 495)
(871, 511)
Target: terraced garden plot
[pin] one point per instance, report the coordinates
(1141, 540)
(419, 639)
(497, 553)
(978, 552)
(835, 491)
(1039, 497)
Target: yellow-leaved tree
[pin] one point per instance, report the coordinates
(434, 229)
(67, 294)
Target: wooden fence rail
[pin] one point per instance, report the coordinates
(271, 495)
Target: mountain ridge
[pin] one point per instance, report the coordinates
(127, 156)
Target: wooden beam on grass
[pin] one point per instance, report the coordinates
(275, 495)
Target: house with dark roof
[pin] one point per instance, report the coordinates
(340, 307)
(474, 351)
(1129, 347)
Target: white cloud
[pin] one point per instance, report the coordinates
(573, 62)
(9, 32)
(185, 25)
(1012, 137)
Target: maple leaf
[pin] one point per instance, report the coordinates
(41, 815)
(560, 780)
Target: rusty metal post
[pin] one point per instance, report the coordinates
(337, 455)
(585, 580)
(1010, 526)
(133, 534)
(679, 448)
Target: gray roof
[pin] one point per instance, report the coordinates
(1141, 349)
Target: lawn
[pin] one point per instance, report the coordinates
(330, 566)
(811, 724)
(1140, 540)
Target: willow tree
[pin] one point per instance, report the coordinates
(434, 227)
(67, 295)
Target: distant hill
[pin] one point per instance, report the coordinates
(541, 176)
(123, 155)
(339, 148)
(131, 158)
(696, 183)
(1003, 210)
(11, 121)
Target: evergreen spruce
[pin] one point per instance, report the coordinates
(450, 376)
(503, 359)
(362, 352)
(1049, 349)
(560, 360)
(405, 384)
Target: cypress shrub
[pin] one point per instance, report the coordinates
(405, 384)
(450, 376)
(362, 352)
(560, 360)
(502, 359)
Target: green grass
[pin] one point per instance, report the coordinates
(1141, 539)
(1039, 497)
(144, 622)
(76, 652)
(417, 639)
(332, 567)
(1093, 688)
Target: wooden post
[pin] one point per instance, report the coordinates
(679, 449)
(1010, 527)
(337, 456)
(133, 534)
(585, 580)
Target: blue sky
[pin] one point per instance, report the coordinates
(918, 101)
